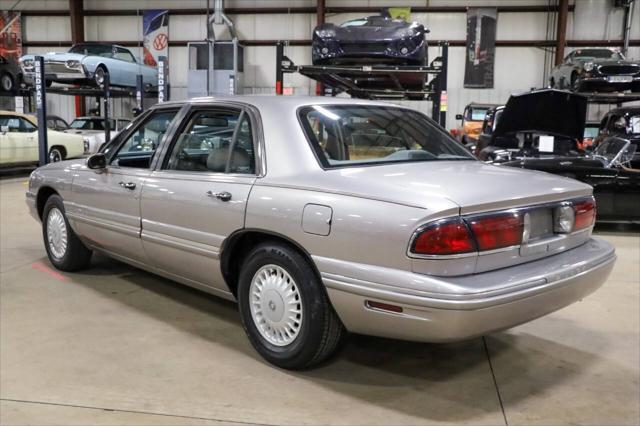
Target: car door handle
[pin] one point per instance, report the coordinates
(222, 196)
(128, 185)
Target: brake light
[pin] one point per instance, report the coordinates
(444, 238)
(585, 212)
(497, 231)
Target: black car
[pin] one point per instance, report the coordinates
(10, 76)
(539, 123)
(611, 172)
(371, 40)
(596, 70)
(624, 123)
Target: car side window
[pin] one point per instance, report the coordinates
(123, 55)
(14, 124)
(218, 141)
(140, 146)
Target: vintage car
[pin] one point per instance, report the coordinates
(10, 76)
(471, 121)
(596, 70)
(325, 215)
(537, 123)
(623, 122)
(19, 141)
(371, 40)
(91, 128)
(55, 122)
(609, 170)
(88, 63)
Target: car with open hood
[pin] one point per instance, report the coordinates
(596, 70)
(532, 124)
(325, 215)
(610, 169)
(88, 63)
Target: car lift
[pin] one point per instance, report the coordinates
(351, 79)
(104, 92)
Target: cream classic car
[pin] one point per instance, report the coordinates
(325, 215)
(19, 141)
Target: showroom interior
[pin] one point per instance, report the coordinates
(349, 212)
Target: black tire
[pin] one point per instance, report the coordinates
(48, 83)
(56, 154)
(552, 83)
(76, 255)
(415, 96)
(7, 82)
(320, 331)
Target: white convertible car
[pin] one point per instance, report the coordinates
(19, 141)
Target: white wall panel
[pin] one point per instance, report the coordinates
(44, 28)
(113, 28)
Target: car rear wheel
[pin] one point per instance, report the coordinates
(284, 309)
(552, 83)
(575, 82)
(64, 249)
(6, 82)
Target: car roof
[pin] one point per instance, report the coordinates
(277, 102)
(625, 110)
(30, 117)
(480, 105)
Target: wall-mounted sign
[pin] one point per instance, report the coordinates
(481, 47)
(155, 24)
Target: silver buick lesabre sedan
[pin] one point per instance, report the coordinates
(324, 215)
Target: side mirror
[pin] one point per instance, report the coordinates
(458, 116)
(97, 161)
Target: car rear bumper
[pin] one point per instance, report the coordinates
(531, 290)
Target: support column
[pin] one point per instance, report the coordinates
(76, 14)
(320, 8)
(561, 33)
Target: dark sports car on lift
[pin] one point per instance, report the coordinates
(596, 70)
(534, 124)
(610, 170)
(371, 40)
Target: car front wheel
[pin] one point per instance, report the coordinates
(64, 249)
(284, 309)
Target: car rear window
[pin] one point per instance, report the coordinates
(355, 135)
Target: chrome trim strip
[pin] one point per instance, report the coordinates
(465, 218)
(190, 246)
(111, 226)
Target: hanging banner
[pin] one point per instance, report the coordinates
(155, 25)
(481, 47)
(10, 36)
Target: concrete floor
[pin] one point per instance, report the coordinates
(115, 345)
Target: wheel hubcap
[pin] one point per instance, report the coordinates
(56, 233)
(276, 305)
(54, 156)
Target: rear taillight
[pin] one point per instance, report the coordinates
(497, 231)
(492, 231)
(450, 237)
(585, 214)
